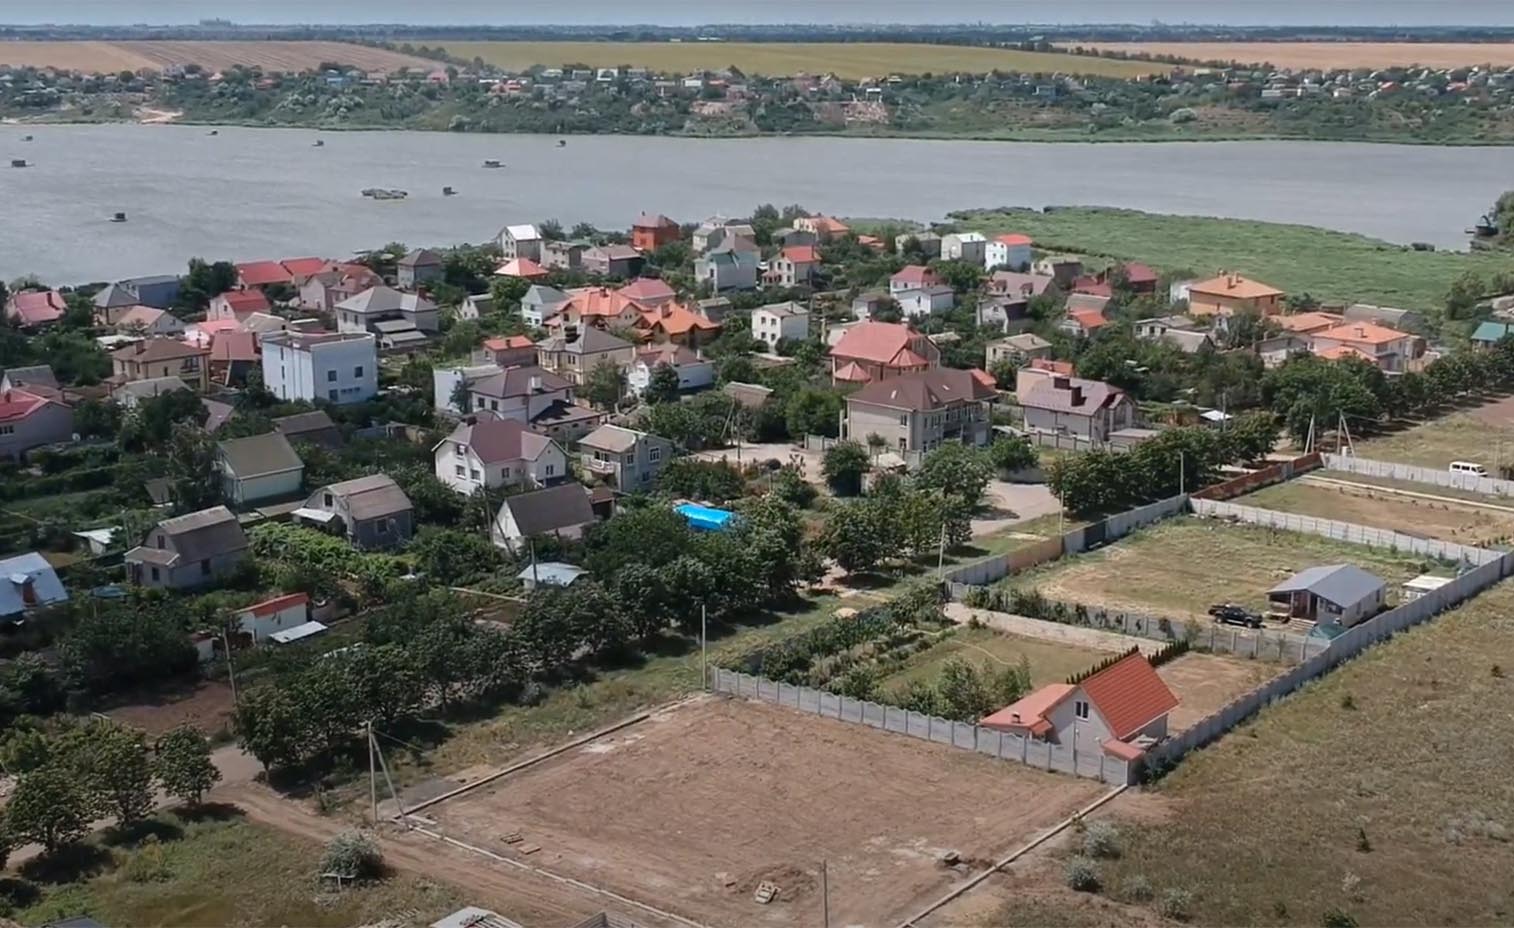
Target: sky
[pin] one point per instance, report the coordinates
(690, 12)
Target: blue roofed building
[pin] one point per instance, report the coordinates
(1488, 334)
(28, 581)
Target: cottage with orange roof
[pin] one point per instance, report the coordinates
(678, 324)
(824, 228)
(524, 268)
(1120, 709)
(913, 277)
(1008, 251)
(871, 351)
(238, 305)
(648, 291)
(1387, 348)
(35, 309)
(509, 350)
(1231, 293)
(599, 307)
(1308, 323)
(794, 266)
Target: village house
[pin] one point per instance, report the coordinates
(258, 468)
(925, 300)
(1086, 409)
(233, 355)
(717, 230)
(333, 284)
(650, 232)
(1389, 349)
(619, 261)
(1120, 709)
(371, 309)
(237, 305)
(576, 357)
(509, 350)
(731, 265)
(188, 551)
(1085, 315)
(913, 277)
(1404, 320)
(561, 512)
(34, 378)
(694, 372)
(917, 412)
(789, 237)
(794, 266)
(1275, 351)
(778, 321)
(28, 582)
(148, 321)
(1021, 285)
(1308, 323)
(162, 357)
(1338, 594)
(370, 512)
(32, 310)
(648, 292)
(675, 323)
(1062, 269)
(258, 623)
(485, 452)
(520, 241)
(969, 247)
(314, 427)
(625, 458)
(474, 306)
(824, 228)
(879, 350)
(865, 305)
(519, 393)
(540, 303)
(32, 420)
(522, 268)
(1229, 294)
(418, 268)
(1490, 333)
(159, 292)
(1007, 314)
(1016, 350)
(929, 243)
(562, 256)
(1011, 252)
(338, 367)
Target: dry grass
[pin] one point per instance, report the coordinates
(1461, 437)
(1324, 55)
(1049, 661)
(1205, 683)
(1180, 566)
(847, 60)
(213, 56)
(1404, 745)
(1382, 507)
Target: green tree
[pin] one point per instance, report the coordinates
(49, 807)
(112, 765)
(114, 648)
(955, 469)
(662, 386)
(353, 855)
(191, 469)
(1010, 454)
(182, 765)
(857, 536)
(150, 425)
(813, 411)
(606, 384)
(843, 466)
(271, 727)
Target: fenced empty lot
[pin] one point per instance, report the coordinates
(1179, 566)
(1482, 435)
(690, 809)
(1204, 683)
(107, 57)
(1424, 511)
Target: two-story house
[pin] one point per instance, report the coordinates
(484, 452)
(32, 310)
(520, 241)
(1008, 251)
(675, 323)
(730, 265)
(775, 322)
(370, 512)
(694, 372)
(334, 283)
(1389, 349)
(1016, 350)
(418, 268)
(794, 266)
(917, 412)
(371, 309)
(149, 321)
(31, 420)
(188, 551)
(626, 458)
(925, 300)
(258, 468)
(237, 305)
(563, 256)
(913, 277)
(969, 247)
(339, 367)
(574, 358)
(620, 261)
(650, 232)
(824, 228)
(541, 303)
(162, 357)
(1229, 294)
(870, 351)
(1087, 409)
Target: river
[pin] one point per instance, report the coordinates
(245, 194)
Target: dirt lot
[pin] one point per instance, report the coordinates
(156, 55)
(689, 810)
(1414, 512)
(1179, 567)
(1484, 436)
(1204, 683)
(1301, 55)
(207, 706)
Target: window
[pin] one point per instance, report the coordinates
(357, 371)
(7, 430)
(155, 575)
(654, 454)
(333, 395)
(331, 376)
(1080, 709)
(162, 542)
(476, 475)
(328, 500)
(205, 568)
(904, 420)
(459, 447)
(551, 469)
(461, 470)
(382, 527)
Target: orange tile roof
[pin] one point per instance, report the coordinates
(600, 301)
(1122, 749)
(1014, 239)
(984, 377)
(1234, 286)
(852, 372)
(1338, 352)
(505, 343)
(1363, 333)
(676, 319)
(829, 225)
(1048, 364)
(1088, 318)
(1129, 694)
(521, 267)
(1308, 322)
(879, 342)
(802, 254)
(1028, 713)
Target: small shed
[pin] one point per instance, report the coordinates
(1422, 585)
(1333, 594)
(705, 518)
(549, 573)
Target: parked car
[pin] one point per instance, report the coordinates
(1231, 614)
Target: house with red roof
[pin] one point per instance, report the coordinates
(652, 231)
(335, 282)
(824, 228)
(524, 268)
(599, 307)
(262, 274)
(871, 351)
(1387, 348)
(238, 305)
(30, 420)
(257, 622)
(1120, 709)
(1010, 251)
(677, 324)
(648, 291)
(35, 309)
(913, 277)
(301, 268)
(794, 266)
(509, 350)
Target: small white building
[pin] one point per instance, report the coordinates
(971, 247)
(926, 300)
(777, 321)
(520, 241)
(490, 453)
(1008, 251)
(260, 621)
(694, 372)
(339, 367)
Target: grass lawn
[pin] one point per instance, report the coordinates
(224, 872)
(1329, 265)
(1180, 566)
(1049, 661)
(1397, 747)
(1460, 437)
(1383, 508)
(846, 60)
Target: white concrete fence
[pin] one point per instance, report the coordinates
(1366, 467)
(961, 735)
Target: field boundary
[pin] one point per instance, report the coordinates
(1367, 467)
(965, 736)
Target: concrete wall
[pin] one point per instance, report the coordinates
(1440, 478)
(961, 735)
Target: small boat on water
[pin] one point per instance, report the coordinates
(448, 192)
(118, 217)
(492, 163)
(562, 143)
(26, 138)
(214, 132)
(319, 143)
(379, 193)
(18, 162)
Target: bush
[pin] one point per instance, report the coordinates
(1176, 904)
(353, 855)
(1138, 889)
(1335, 918)
(1082, 875)
(147, 864)
(1101, 840)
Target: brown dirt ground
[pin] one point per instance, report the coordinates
(1300, 55)
(1204, 683)
(207, 706)
(155, 55)
(688, 809)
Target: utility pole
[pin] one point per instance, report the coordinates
(231, 668)
(825, 890)
(372, 773)
(1182, 473)
(941, 553)
(704, 658)
(535, 580)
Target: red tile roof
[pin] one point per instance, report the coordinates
(1129, 694)
(1092, 286)
(851, 372)
(879, 342)
(303, 267)
(1015, 239)
(1028, 713)
(246, 301)
(1088, 319)
(647, 289)
(1138, 273)
(802, 254)
(18, 404)
(523, 268)
(916, 275)
(234, 346)
(277, 604)
(676, 319)
(263, 273)
(505, 343)
(599, 301)
(1362, 333)
(649, 221)
(36, 307)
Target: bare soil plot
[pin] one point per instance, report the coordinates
(1049, 661)
(213, 56)
(1339, 496)
(1483, 436)
(1204, 683)
(207, 706)
(1301, 55)
(1179, 567)
(691, 809)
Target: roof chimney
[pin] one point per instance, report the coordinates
(1061, 383)
(535, 383)
(1361, 332)
(1077, 396)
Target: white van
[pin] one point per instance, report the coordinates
(1469, 468)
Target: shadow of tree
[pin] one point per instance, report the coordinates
(68, 864)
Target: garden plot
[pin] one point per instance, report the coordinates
(1049, 661)
(694, 807)
(1180, 566)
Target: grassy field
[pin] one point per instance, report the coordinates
(1297, 259)
(1325, 55)
(224, 872)
(847, 60)
(1384, 508)
(1180, 566)
(1050, 662)
(213, 56)
(1381, 791)
(1460, 437)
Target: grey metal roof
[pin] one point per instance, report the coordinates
(37, 375)
(302, 422)
(383, 299)
(1342, 585)
(205, 534)
(368, 497)
(551, 509)
(259, 455)
(612, 438)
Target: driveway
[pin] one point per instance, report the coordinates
(1008, 504)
